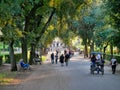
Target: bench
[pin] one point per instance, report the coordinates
(23, 68)
(37, 60)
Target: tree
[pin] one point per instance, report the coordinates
(10, 30)
(114, 21)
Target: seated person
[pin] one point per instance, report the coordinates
(24, 65)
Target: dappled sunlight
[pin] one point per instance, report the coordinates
(79, 58)
(40, 77)
(9, 81)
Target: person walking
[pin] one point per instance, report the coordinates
(65, 51)
(62, 60)
(93, 60)
(67, 56)
(52, 58)
(56, 58)
(113, 65)
(102, 63)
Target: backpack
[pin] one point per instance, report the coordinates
(114, 62)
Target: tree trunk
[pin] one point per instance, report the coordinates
(104, 51)
(24, 49)
(12, 59)
(91, 48)
(32, 54)
(85, 51)
(111, 50)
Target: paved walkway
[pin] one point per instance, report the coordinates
(74, 77)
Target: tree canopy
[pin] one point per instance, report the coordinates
(32, 23)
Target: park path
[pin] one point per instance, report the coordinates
(76, 76)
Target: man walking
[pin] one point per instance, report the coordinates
(52, 58)
(113, 65)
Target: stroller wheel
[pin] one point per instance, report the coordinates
(102, 72)
(98, 70)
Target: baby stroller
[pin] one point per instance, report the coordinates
(98, 67)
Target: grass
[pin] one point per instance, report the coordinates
(7, 77)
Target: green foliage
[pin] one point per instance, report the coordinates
(104, 36)
(85, 18)
(108, 57)
(113, 7)
(17, 58)
(1, 60)
(8, 20)
(7, 59)
(114, 12)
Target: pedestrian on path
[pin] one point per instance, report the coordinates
(52, 58)
(102, 62)
(56, 58)
(67, 56)
(93, 60)
(62, 60)
(113, 65)
(65, 51)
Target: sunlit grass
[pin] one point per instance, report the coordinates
(8, 78)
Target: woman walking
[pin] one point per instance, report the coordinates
(62, 60)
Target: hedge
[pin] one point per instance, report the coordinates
(17, 58)
(7, 59)
(0, 60)
(108, 57)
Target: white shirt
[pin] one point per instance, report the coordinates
(112, 61)
(98, 56)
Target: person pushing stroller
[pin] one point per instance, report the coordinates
(97, 64)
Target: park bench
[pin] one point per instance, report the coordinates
(23, 68)
(37, 60)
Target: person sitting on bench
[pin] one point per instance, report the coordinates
(24, 65)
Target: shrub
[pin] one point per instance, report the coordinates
(7, 59)
(17, 58)
(108, 57)
(0, 60)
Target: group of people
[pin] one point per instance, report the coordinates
(54, 57)
(63, 58)
(98, 60)
(97, 63)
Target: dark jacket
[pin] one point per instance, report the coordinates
(52, 56)
(67, 56)
(61, 59)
